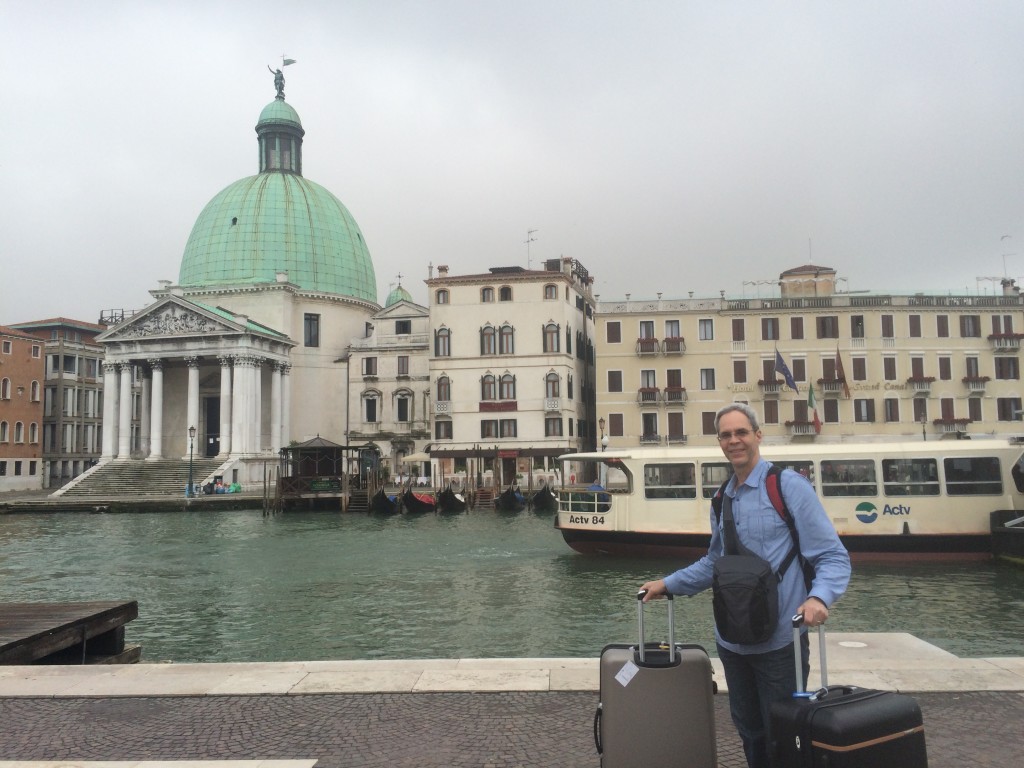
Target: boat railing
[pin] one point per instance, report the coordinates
(584, 500)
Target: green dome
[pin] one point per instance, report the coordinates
(279, 111)
(279, 221)
(397, 295)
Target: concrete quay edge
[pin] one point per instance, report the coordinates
(890, 661)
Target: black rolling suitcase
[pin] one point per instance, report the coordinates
(843, 726)
(667, 684)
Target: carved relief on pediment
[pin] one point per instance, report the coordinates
(171, 321)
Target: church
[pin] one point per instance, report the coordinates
(247, 353)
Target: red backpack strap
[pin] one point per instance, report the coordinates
(773, 485)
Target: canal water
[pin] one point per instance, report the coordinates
(238, 586)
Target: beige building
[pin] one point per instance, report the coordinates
(511, 369)
(882, 366)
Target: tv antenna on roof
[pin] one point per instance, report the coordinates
(529, 239)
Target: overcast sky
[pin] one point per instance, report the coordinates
(669, 146)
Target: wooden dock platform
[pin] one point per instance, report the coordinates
(67, 633)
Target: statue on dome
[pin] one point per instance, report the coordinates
(278, 82)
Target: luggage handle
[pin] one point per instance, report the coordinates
(799, 692)
(671, 625)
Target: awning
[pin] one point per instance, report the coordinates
(416, 457)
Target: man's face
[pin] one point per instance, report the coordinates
(741, 444)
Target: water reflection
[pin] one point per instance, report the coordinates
(235, 586)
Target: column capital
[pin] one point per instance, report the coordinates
(225, 360)
(156, 363)
(109, 367)
(125, 366)
(192, 361)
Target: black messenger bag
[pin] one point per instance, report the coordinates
(746, 589)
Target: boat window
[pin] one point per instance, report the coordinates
(670, 481)
(1017, 471)
(805, 468)
(712, 475)
(848, 477)
(910, 477)
(969, 475)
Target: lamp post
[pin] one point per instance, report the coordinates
(604, 446)
(191, 443)
(924, 435)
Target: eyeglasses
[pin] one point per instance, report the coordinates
(740, 433)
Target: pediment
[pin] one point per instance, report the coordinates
(401, 310)
(171, 317)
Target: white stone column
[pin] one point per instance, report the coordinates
(110, 393)
(240, 405)
(275, 408)
(225, 405)
(145, 411)
(156, 410)
(257, 401)
(286, 404)
(192, 408)
(124, 415)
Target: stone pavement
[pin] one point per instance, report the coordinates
(491, 713)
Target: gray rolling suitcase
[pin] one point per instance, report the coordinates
(656, 708)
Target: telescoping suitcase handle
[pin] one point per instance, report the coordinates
(798, 619)
(671, 625)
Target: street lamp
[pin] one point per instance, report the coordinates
(191, 443)
(924, 435)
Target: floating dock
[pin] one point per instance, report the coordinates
(67, 633)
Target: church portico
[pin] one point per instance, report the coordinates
(181, 364)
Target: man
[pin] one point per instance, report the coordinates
(759, 674)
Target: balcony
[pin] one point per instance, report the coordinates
(770, 387)
(674, 345)
(552, 404)
(975, 384)
(648, 396)
(676, 440)
(832, 387)
(675, 395)
(951, 426)
(647, 346)
(920, 385)
(1005, 342)
(650, 439)
(442, 407)
(801, 427)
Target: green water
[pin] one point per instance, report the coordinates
(236, 586)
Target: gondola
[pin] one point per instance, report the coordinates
(449, 502)
(510, 500)
(382, 504)
(418, 503)
(544, 500)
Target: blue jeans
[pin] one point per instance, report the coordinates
(755, 681)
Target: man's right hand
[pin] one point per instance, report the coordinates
(655, 590)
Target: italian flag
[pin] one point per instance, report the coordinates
(812, 406)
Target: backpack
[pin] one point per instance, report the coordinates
(745, 587)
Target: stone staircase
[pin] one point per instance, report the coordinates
(162, 477)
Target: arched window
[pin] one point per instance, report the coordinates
(487, 385)
(487, 295)
(444, 389)
(371, 406)
(33, 432)
(488, 340)
(505, 293)
(3, 432)
(551, 292)
(35, 392)
(508, 387)
(442, 343)
(5, 389)
(507, 344)
(552, 385)
(551, 337)
(19, 432)
(441, 297)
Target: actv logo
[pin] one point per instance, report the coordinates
(867, 512)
